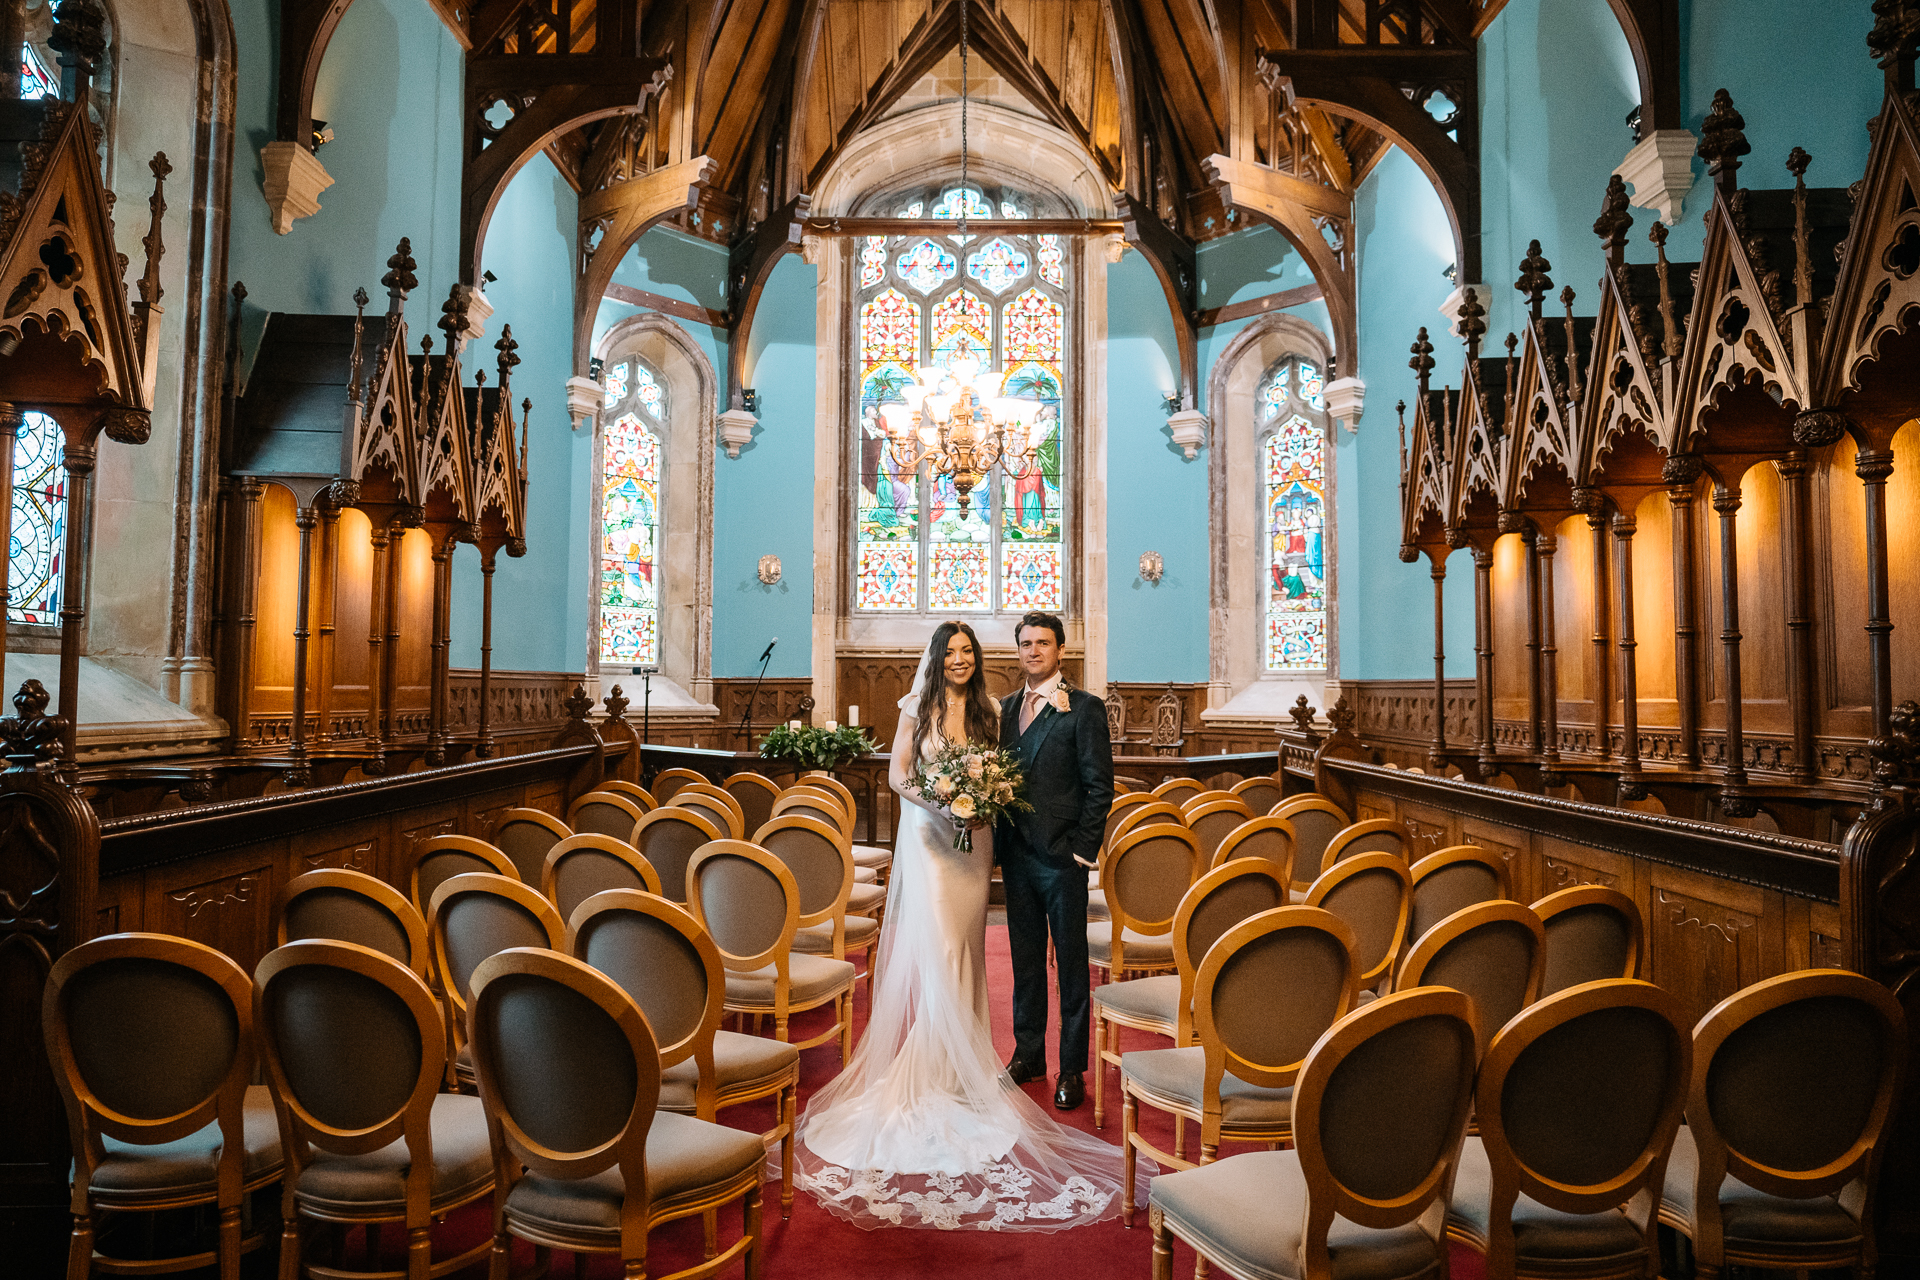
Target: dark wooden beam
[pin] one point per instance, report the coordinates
(667, 306)
(1652, 29)
(981, 226)
(1259, 306)
(1172, 257)
(306, 27)
(749, 265)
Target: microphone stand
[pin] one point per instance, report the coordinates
(745, 730)
(646, 718)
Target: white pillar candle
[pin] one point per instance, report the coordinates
(832, 725)
(853, 716)
(794, 725)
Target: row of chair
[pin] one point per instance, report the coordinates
(1785, 1089)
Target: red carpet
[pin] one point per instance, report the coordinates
(813, 1243)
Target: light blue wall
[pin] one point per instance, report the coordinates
(540, 600)
(684, 268)
(1156, 497)
(763, 500)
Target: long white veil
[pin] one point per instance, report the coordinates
(923, 1128)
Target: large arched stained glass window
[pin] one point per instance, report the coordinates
(35, 559)
(1292, 423)
(631, 462)
(925, 301)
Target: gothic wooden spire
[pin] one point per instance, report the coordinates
(1573, 350)
(1669, 322)
(1534, 282)
(1614, 222)
(1473, 322)
(1723, 140)
(1422, 362)
(400, 280)
(1797, 162)
(1894, 40)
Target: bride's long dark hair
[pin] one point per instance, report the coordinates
(983, 722)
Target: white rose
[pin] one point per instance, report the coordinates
(943, 786)
(963, 806)
(975, 766)
(1061, 702)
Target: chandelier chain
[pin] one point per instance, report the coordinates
(963, 116)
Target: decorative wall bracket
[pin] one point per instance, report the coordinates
(1660, 171)
(1346, 401)
(1189, 427)
(584, 397)
(292, 183)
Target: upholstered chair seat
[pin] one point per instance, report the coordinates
(813, 978)
(742, 1064)
(817, 939)
(685, 1157)
(188, 1166)
(375, 1184)
(1097, 906)
(866, 899)
(1251, 1211)
(1138, 949)
(1542, 1236)
(1753, 1217)
(1156, 998)
(872, 856)
(1177, 1077)
(865, 875)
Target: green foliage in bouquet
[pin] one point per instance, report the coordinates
(812, 748)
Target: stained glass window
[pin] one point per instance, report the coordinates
(914, 549)
(39, 523)
(631, 460)
(35, 80)
(1291, 409)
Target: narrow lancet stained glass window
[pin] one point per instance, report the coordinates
(1292, 422)
(914, 549)
(631, 460)
(36, 81)
(35, 558)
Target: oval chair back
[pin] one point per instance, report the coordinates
(755, 794)
(668, 838)
(1375, 835)
(1177, 789)
(604, 813)
(1123, 805)
(1145, 876)
(820, 859)
(1578, 1099)
(632, 791)
(1372, 893)
(1316, 821)
(1264, 993)
(1264, 837)
(659, 955)
(1212, 795)
(473, 916)
(723, 818)
(1793, 1082)
(438, 859)
(1384, 1167)
(708, 794)
(1451, 880)
(1157, 813)
(1593, 932)
(1261, 792)
(581, 866)
(350, 906)
(669, 781)
(1213, 821)
(841, 791)
(1493, 951)
(525, 836)
(747, 901)
(819, 806)
(1218, 901)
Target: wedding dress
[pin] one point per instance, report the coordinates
(923, 1128)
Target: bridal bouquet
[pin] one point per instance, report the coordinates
(976, 783)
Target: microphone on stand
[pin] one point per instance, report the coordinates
(769, 649)
(745, 730)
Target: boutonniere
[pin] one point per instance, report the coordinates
(1061, 702)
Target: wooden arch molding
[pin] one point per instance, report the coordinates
(623, 213)
(1290, 205)
(306, 29)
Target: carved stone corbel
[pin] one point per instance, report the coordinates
(292, 182)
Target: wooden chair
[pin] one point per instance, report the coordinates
(1372, 893)
(1578, 1099)
(1793, 1081)
(720, 808)
(821, 778)
(1261, 792)
(1212, 795)
(1593, 932)
(632, 791)
(470, 918)
(668, 838)
(1154, 813)
(1264, 993)
(1123, 804)
(1163, 1005)
(868, 857)
(355, 1054)
(814, 802)
(1265, 837)
(1178, 789)
(1368, 1181)
(604, 813)
(570, 1077)
(668, 781)
(755, 794)
(437, 859)
(1213, 821)
(1126, 783)
(583, 865)
(658, 954)
(525, 836)
(1144, 877)
(1452, 879)
(1375, 835)
(1316, 821)
(822, 867)
(350, 906)
(812, 799)
(748, 902)
(1493, 951)
(151, 1043)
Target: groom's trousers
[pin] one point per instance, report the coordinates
(1045, 897)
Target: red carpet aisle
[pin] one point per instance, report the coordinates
(813, 1243)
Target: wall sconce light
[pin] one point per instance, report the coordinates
(322, 134)
(1152, 567)
(595, 366)
(749, 399)
(1452, 273)
(1170, 402)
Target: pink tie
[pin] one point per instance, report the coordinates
(1030, 709)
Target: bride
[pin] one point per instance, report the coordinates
(923, 1128)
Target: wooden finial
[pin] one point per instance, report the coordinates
(80, 37)
(1573, 350)
(1614, 221)
(1400, 409)
(1534, 282)
(150, 290)
(400, 280)
(1797, 162)
(1512, 342)
(1669, 323)
(1473, 321)
(508, 357)
(1894, 40)
(1422, 362)
(453, 321)
(360, 300)
(1723, 140)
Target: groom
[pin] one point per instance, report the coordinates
(1060, 736)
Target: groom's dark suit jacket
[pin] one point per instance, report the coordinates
(1068, 760)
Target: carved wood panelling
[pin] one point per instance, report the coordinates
(230, 910)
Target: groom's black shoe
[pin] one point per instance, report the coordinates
(1069, 1092)
(1021, 1073)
